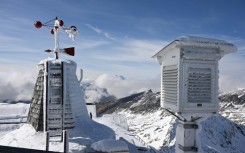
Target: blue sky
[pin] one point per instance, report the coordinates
(119, 36)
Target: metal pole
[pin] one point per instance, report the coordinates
(65, 141)
(46, 104)
(47, 141)
(63, 100)
(56, 38)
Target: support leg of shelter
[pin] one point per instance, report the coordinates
(186, 137)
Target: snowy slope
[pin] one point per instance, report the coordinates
(232, 105)
(14, 115)
(119, 130)
(219, 135)
(85, 133)
(157, 128)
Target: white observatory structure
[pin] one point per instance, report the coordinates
(57, 101)
(189, 83)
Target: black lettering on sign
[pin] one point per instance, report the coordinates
(55, 75)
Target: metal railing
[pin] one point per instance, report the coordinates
(8, 149)
(121, 121)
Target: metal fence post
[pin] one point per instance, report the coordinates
(65, 141)
(47, 140)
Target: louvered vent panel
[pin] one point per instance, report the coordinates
(170, 84)
(199, 85)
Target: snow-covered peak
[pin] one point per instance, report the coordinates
(239, 91)
(95, 94)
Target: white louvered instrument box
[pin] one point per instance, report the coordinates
(189, 73)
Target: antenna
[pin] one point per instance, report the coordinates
(55, 29)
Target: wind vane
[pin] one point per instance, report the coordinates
(56, 28)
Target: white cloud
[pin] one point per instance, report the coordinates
(94, 28)
(133, 50)
(232, 74)
(89, 44)
(11, 43)
(20, 86)
(231, 83)
(16, 86)
(119, 87)
(99, 31)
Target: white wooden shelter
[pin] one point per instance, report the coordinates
(189, 73)
(57, 98)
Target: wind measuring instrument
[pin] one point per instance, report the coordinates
(55, 30)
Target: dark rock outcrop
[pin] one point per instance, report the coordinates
(138, 103)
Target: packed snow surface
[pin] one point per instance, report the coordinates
(84, 134)
(119, 129)
(14, 115)
(110, 146)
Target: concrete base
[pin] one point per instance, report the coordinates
(186, 137)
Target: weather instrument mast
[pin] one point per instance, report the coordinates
(55, 30)
(56, 102)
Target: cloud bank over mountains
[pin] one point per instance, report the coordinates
(19, 86)
(16, 86)
(120, 86)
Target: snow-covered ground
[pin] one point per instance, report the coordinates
(119, 130)
(84, 134)
(152, 128)
(12, 116)
(216, 134)
(220, 135)
(155, 129)
(224, 133)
